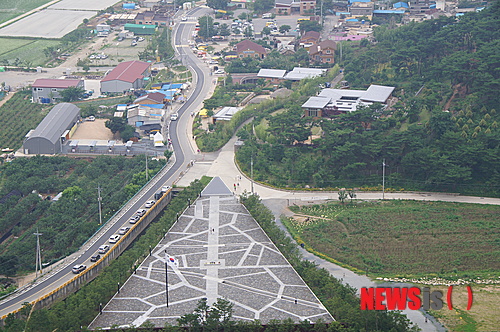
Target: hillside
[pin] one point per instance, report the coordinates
(425, 147)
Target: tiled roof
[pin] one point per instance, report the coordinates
(127, 71)
(249, 45)
(55, 83)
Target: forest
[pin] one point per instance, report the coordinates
(441, 135)
(28, 187)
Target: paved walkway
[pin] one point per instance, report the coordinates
(222, 253)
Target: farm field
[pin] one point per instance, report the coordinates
(17, 116)
(12, 8)
(404, 237)
(25, 50)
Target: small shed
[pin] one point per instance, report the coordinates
(140, 29)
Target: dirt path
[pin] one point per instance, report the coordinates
(7, 97)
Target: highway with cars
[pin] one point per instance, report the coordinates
(183, 153)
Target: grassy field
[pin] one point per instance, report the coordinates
(404, 237)
(483, 315)
(12, 8)
(17, 116)
(26, 50)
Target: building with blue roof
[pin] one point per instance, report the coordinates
(401, 5)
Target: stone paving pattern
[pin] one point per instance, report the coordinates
(222, 253)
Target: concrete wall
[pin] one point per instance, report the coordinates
(92, 271)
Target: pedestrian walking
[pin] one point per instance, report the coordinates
(235, 186)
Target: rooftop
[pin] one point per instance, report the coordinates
(55, 83)
(246, 44)
(128, 71)
(271, 73)
(54, 124)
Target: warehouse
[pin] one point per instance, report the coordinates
(127, 75)
(54, 129)
(140, 29)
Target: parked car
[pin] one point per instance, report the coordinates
(149, 204)
(174, 117)
(114, 238)
(78, 268)
(141, 212)
(134, 219)
(220, 71)
(95, 258)
(123, 230)
(91, 118)
(103, 249)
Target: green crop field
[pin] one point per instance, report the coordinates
(12, 8)
(17, 116)
(25, 50)
(404, 237)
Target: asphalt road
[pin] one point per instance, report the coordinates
(183, 152)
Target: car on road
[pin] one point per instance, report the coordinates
(123, 230)
(149, 204)
(174, 117)
(78, 268)
(103, 249)
(184, 18)
(141, 212)
(134, 219)
(114, 238)
(95, 258)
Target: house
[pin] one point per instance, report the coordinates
(152, 18)
(358, 9)
(283, 7)
(248, 48)
(150, 98)
(307, 7)
(127, 75)
(323, 52)
(335, 101)
(299, 73)
(138, 115)
(309, 38)
(48, 90)
(272, 75)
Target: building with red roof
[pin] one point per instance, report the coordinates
(248, 48)
(48, 90)
(126, 76)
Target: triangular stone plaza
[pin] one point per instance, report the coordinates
(221, 252)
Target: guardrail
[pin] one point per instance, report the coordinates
(145, 220)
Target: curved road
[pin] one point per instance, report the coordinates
(183, 152)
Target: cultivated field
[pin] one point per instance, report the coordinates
(17, 117)
(47, 24)
(83, 5)
(12, 8)
(26, 50)
(404, 237)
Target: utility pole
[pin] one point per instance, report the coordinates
(251, 172)
(146, 165)
(38, 253)
(383, 179)
(99, 200)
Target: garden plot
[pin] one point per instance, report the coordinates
(47, 24)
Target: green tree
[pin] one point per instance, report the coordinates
(266, 31)
(72, 94)
(127, 133)
(207, 29)
(309, 26)
(217, 4)
(224, 30)
(116, 124)
(261, 6)
(284, 28)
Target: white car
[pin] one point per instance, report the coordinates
(149, 204)
(114, 238)
(184, 18)
(174, 117)
(123, 230)
(220, 71)
(141, 212)
(78, 268)
(134, 219)
(103, 249)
